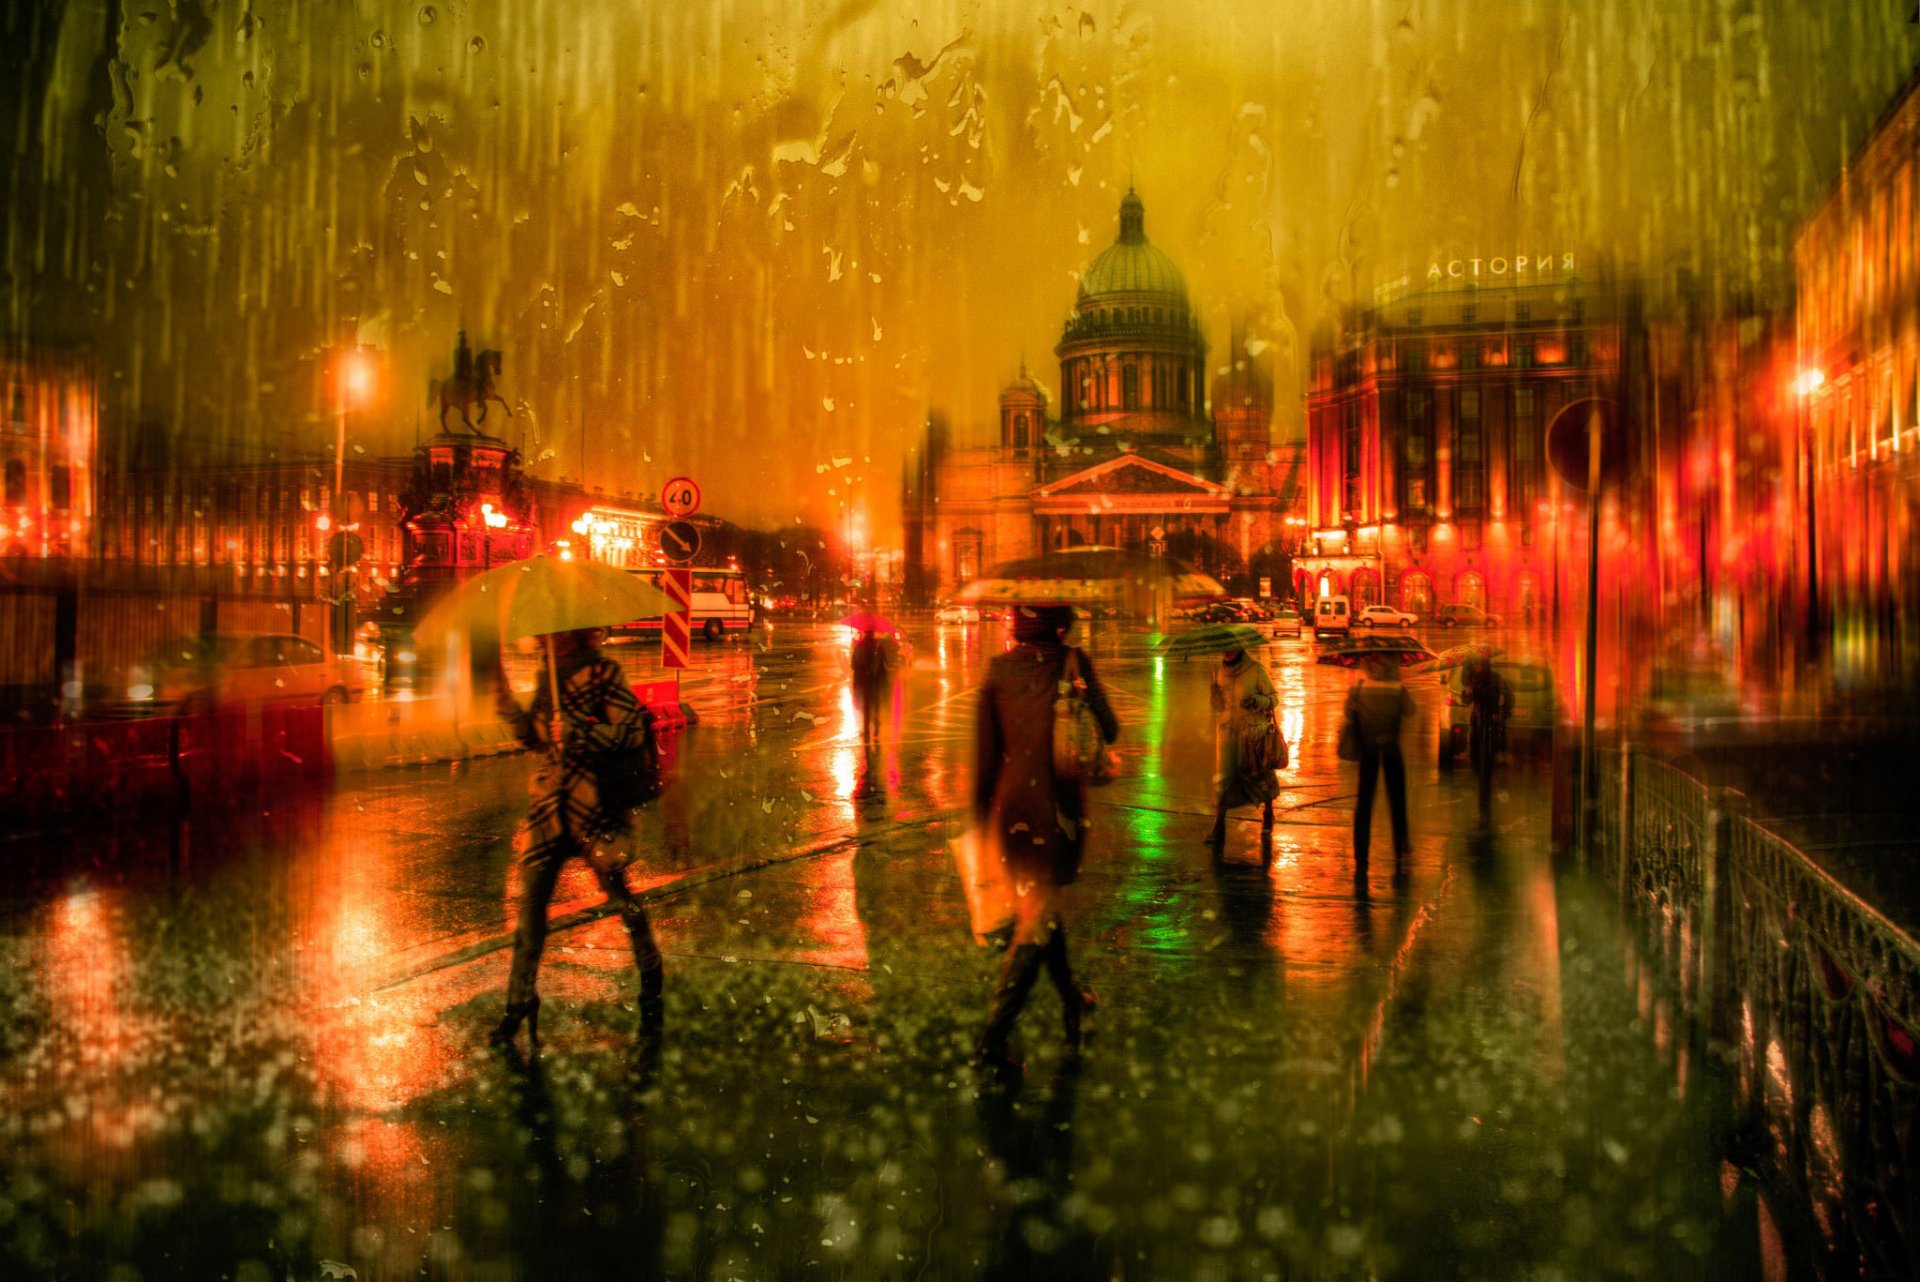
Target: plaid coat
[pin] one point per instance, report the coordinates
(600, 718)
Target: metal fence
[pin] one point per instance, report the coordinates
(1812, 995)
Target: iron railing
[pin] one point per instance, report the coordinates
(1812, 994)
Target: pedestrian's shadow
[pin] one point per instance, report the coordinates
(1032, 1143)
(608, 1221)
(1247, 910)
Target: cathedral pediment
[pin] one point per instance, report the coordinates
(1131, 474)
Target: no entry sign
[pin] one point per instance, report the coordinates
(676, 627)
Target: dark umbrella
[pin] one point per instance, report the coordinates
(1356, 651)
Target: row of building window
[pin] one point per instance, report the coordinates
(59, 485)
(17, 412)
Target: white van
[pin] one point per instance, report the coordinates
(1332, 616)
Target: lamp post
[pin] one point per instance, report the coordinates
(1805, 384)
(356, 375)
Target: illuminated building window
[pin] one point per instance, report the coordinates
(1130, 387)
(1522, 313)
(1020, 431)
(1469, 463)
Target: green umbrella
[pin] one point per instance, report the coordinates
(1215, 638)
(540, 596)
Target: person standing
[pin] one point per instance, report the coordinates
(1243, 702)
(870, 670)
(1490, 697)
(578, 808)
(1377, 706)
(1036, 817)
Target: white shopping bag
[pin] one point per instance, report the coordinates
(984, 881)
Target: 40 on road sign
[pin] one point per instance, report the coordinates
(681, 497)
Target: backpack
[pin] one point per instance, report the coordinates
(1079, 749)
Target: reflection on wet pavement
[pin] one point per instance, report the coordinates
(251, 1045)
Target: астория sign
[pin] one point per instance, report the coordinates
(1502, 266)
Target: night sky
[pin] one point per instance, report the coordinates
(760, 242)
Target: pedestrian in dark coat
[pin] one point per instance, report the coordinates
(1490, 698)
(576, 810)
(1377, 706)
(872, 681)
(1037, 818)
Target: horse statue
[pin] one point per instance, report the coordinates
(472, 385)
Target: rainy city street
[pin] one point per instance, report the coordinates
(758, 639)
(247, 1045)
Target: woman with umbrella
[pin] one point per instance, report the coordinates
(1037, 817)
(579, 807)
(1243, 775)
(599, 762)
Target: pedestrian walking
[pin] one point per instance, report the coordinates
(872, 680)
(1036, 817)
(1489, 696)
(1377, 705)
(599, 753)
(1243, 761)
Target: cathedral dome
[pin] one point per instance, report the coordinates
(1131, 265)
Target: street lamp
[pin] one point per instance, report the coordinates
(1805, 384)
(357, 379)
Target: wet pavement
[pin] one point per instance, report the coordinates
(252, 1045)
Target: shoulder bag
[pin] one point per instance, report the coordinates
(1079, 749)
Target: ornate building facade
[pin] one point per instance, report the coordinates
(1136, 457)
(1429, 482)
(1858, 271)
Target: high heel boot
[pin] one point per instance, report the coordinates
(1016, 981)
(517, 1013)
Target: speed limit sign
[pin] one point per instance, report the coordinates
(681, 497)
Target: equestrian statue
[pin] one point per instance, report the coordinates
(472, 385)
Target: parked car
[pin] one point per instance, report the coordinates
(1465, 616)
(1287, 621)
(1383, 616)
(197, 673)
(1529, 726)
(1253, 610)
(1332, 616)
(957, 614)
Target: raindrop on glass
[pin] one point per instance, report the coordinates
(427, 15)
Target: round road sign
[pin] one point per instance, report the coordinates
(1567, 442)
(681, 497)
(680, 541)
